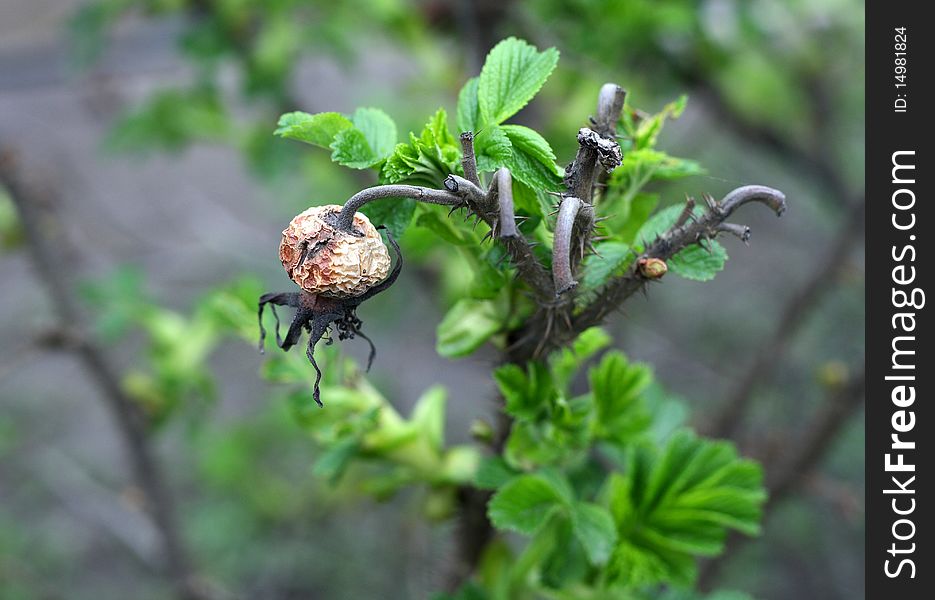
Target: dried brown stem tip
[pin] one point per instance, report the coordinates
(608, 151)
(741, 231)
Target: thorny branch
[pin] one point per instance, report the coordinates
(556, 323)
(542, 335)
(37, 224)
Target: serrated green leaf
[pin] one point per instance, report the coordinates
(332, 463)
(318, 129)
(595, 529)
(532, 160)
(565, 363)
(468, 116)
(428, 416)
(427, 159)
(526, 392)
(468, 324)
(492, 149)
(677, 503)
(493, 473)
(693, 262)
(647, 131)
(669, 412)
(350, 149)
(533, 144)
(445, 229)
(370, 141)
(378, 128)
(609, 259)
(699, 263)
(524, 503)
(512, 74)
(393, 213)
(616, 386)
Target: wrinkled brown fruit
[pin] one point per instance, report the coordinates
(338, 264)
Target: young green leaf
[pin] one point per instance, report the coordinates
(425, 160)
(378, 128)
(527, 392)
(595, 529)
(468, 117)
(524, 503)
(532, 160)
(698, 263)
(610, 258)
(318, 129)
(368, 142)
(565, 363)
(468, 324)
(679, 502)
(428, 416)
(492, 149)
(617, 385)
(645, 134)
(493, 472)
(693, 262)
(350, 148)
(512, 74)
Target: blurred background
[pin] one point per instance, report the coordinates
(140, 133)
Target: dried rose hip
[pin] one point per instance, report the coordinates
(337, 270)
(325, 260)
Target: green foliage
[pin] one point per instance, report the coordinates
(678, 502)
(468, 324)
(513, 73)
(698, 262)
(319, 129)
(615, 499)
(11, 234)
(525, 503)
(362, 141)
(617, 387)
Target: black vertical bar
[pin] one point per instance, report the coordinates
(899, 174)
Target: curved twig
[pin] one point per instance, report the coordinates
(561, 249)
(536, 341)
(502, 188)
(741, 231)
(597, 147)
(519, 249)
(468, 160)
(345, 220)
(774, 199)
(609, 106)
